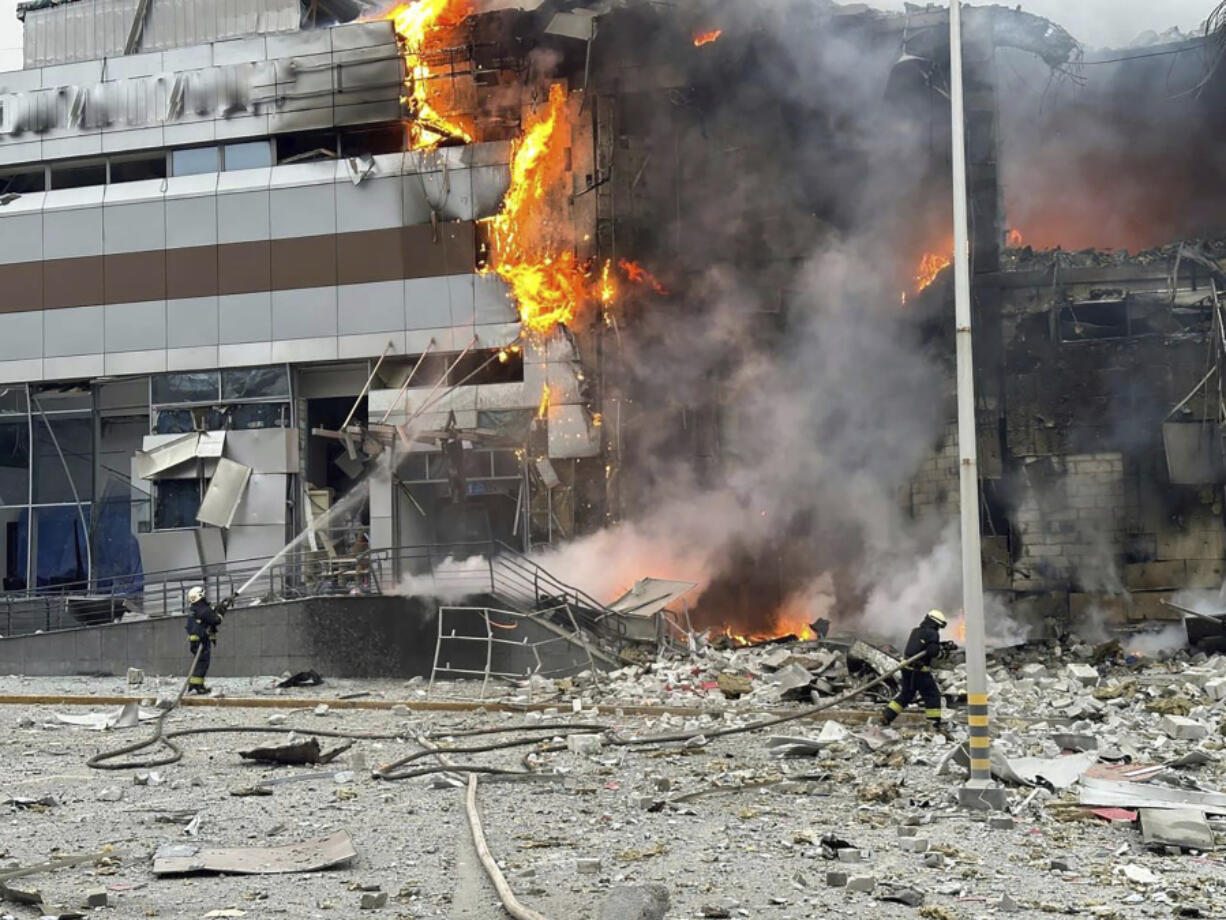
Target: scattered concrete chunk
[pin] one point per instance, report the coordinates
(635, 902)
(836, 879)
(864, 883)
(589, 866)
(584, 744)
(136, 677)
(1001, 822)
(914, 844)
(96, 897)
(851, 855)
(373, 900)
(1084, 674)
(1183, 729)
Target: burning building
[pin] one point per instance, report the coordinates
(673, 305)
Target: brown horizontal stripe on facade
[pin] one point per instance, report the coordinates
(422, 251)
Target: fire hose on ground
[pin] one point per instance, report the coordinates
(394, 771)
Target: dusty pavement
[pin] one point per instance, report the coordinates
(726, 827)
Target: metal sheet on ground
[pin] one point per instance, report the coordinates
(308, 856)
(1101, 792)
(1176, 827)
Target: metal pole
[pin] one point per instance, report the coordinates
(979, 791)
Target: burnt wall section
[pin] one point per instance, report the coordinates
(356, 637)
(1092, 359)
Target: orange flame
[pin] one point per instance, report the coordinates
(639, 275)
(706, 38)
(547, 283)
(543, 409)
(931, 265)
(416, 25)
(959, 632)
(1013, 239)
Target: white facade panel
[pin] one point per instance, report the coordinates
(243, 217)
(304, 313)
(244, 355)
(134, 227)
(74, 367)
(245, 318)
(21, 336)
(73, 331)
(374, 307)
(373, 204)
(135, 326)
(21, 237)
(298, 350)
(303, 211)
(20, 371)
(427, 303)
(119, 364)
(192, 322)
(191, 222)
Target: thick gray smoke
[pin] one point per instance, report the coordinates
(796, 206)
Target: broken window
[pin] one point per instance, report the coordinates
(79, 175)
(74, 437)
(258, 415)
(1094, 319)
(310, 145)
(255, 383)
(176, 503)
(373, 141)
(14, 460)
(21, 181)
(186, 388)
(138, 168)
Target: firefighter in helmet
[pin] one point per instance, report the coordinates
(917, 679)
(203, 619)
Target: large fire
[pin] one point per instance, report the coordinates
(707, 38)
(931, 265)
(416, 24)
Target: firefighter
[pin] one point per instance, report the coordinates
(202, 621)
(917, 679)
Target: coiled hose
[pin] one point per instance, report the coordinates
(395, 770)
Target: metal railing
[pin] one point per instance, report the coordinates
(487, 643)
(502, 573)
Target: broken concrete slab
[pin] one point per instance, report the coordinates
(308, 856)
(1183, 729)
(1185, 828)
(1084, 674)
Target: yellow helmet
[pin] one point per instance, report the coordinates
(937, 617)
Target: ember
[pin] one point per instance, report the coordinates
(707, 38)
(639, 275)
(417, 25)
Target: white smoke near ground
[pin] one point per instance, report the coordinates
(1153, 644)
(450, 581)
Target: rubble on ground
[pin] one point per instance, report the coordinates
(1113, 764)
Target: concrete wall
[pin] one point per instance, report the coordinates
(338, 637)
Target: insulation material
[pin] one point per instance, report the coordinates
(224, 493)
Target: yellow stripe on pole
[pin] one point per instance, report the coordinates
(977, 699)
(978, 721)
(980, 742)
